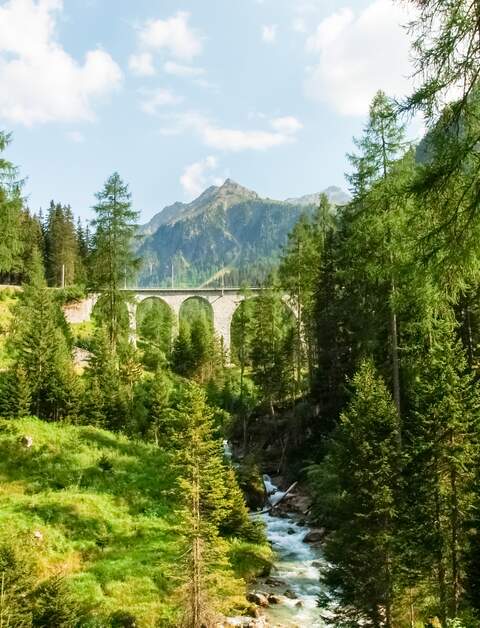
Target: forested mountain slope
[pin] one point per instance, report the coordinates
(229, 229)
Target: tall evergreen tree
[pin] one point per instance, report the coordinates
(41, 350)
(113, 263)
(63, 263)
(271, 349)
(11, 242)
(363, 471)
(380, 147)
(442, 454)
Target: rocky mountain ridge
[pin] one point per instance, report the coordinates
(228, 234)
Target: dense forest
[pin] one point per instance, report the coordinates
(355, 370)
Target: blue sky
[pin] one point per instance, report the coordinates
(179, 95)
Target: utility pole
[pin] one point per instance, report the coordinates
(172, 273)
(62, 281)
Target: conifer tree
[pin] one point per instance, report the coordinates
(63, 264)
(271, 350)
(380, 147)
(11, 242)
(205, 497)
(105, 402)
(113, 263)
(364, 471)
(182, 358)
(442, 455)
(158, 407)
(41, 351)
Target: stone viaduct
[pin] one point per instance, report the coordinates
(223, 302)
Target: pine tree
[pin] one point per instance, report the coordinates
(105, 400)
(204, 496)
(41, 351)
(158, 407)
(364, 471)
(442, 455)
(271, 349)
(11, 242)
(380, 147)
(113, 263)
(448, 60)
(298, 274)
(63, 264)
(182, 358)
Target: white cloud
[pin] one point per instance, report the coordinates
(179, 69)
(40, 81)
(233, 140)
(76, 136)
(157, 98)
(173, 35)
(358, 54)
(269, 33)
(198, 176)
(141, 64)
(288, 125)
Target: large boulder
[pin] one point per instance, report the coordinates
(316, 535)
(260, 599)
(291, 594)
(274, 599)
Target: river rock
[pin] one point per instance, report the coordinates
(290, 594)
(274, 599)
(299, 604)
(260, 599)
(317, 564)
(314, 536)
(290, 531)
(275, 582)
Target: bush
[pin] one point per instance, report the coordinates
(27, 601)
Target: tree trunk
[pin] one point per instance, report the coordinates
(454, 524)
(442, 589)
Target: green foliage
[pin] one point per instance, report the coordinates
(363, 466)
(112, 263)
(42, 380)
(272, 348)
(155, 332)
(27, 601)
(63, 261)
(11, 244)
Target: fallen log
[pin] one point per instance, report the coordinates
(272, 506)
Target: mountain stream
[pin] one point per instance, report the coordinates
(296, 570)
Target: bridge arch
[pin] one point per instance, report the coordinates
(246, 308)
(194, 308)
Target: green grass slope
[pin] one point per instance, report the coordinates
(100, 509)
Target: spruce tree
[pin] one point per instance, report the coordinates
(204, 496)
(380, 147)
(11, 242)
(271, 349)
(363, 465)
(112, 263)
(41, 351)
(442, 455)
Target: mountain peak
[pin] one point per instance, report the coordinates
(231, 192)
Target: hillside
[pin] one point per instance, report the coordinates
(228, 230)
(103, 511)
